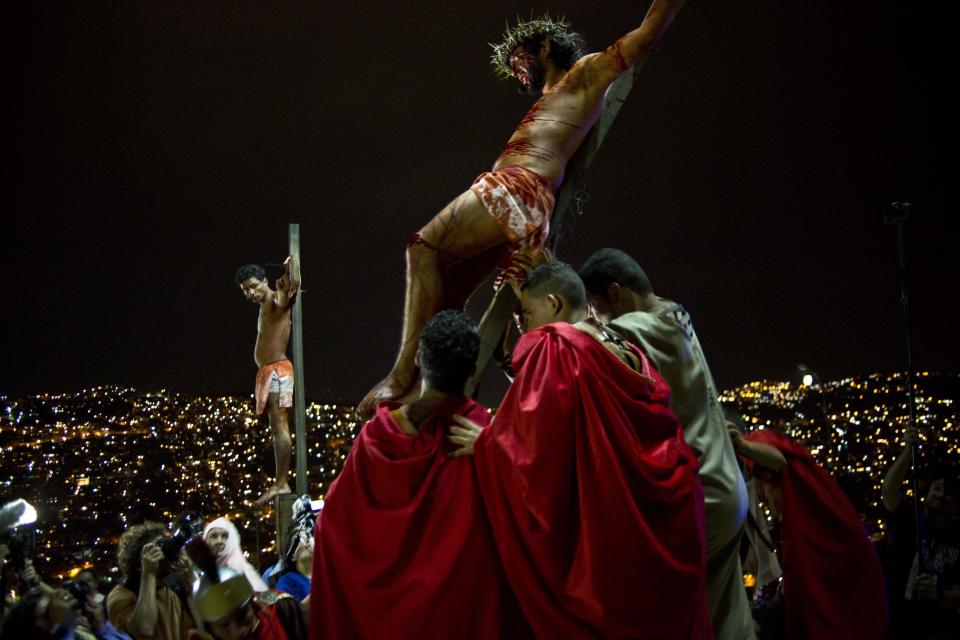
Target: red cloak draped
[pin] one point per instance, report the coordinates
(403, 548)
(832, 580)
(270, 627)
(593, 495)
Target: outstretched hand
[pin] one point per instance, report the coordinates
(465, 435)
(911, 437)
(289, 283)
(292, 267)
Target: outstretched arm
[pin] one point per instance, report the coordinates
(289, 282)
(897, 472)
(616, 58)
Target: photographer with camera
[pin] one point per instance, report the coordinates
(150, 602)
(291, 573)
(296, 580)
(17, 573)
(65, 613)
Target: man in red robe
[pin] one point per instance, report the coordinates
(592, 492)
(403, 547)
(832, 580)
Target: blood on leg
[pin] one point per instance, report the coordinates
(438, 272)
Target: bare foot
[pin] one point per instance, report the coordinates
(392, 387)
(272, 492)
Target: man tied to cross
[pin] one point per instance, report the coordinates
(274, 386)
(509, 208)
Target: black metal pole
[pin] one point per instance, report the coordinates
(898, 214)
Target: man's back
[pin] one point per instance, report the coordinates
(403, 547)
(593, 495)
(668, 338)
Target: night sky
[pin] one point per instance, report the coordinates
(158, 146)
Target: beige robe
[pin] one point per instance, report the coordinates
(669, 340)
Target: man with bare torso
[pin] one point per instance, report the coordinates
(274, 387)
(509, 208)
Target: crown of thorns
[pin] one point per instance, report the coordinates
(526, 30)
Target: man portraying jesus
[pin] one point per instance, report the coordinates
(510, 207)
(593, 495)
(274, 386)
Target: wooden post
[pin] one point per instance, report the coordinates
(283, 519)
(299, 401)
(496, 319)
(492, 327)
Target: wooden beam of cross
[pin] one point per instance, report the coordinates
(496, 319)
(299, 401)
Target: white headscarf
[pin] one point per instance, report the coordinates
(232, 556)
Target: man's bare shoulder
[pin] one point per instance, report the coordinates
(586, 61)
(581, 75)
(591, 73)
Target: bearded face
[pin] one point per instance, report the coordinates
(529, 69)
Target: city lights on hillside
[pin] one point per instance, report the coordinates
(95, 462)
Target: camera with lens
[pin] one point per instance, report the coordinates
(305, 513)
(19, 544)
(187, 526)
(79, 590)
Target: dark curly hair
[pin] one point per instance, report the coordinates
(565, 49)
(131, 545)
(249, 271)
(449, 346)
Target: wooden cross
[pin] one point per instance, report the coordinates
(283, 504)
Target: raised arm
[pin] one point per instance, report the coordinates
(897, 472)
(143, 620)
(616, 58)
(289, 283)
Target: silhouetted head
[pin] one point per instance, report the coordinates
(610, 275)
(449, 346)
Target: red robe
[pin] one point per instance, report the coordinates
(832, 580)
(593, 495)
(403, 547)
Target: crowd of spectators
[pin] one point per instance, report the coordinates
(162, 594)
